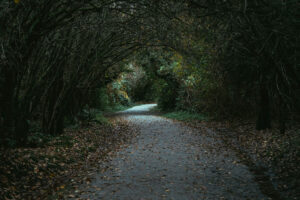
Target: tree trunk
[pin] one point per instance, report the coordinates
(7, 102)
(264, 118)
(21, 128)
(282, 115)
(14, 119)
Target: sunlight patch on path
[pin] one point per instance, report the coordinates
(140, 108)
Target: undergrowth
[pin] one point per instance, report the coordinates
(186, 116)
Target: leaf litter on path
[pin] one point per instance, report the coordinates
(72, 158)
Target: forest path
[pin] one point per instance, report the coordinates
(168, 160)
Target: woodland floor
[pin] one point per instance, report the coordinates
(169, 160)
(50, 169)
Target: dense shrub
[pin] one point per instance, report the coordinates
(167, 95)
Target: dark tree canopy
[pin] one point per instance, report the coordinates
(56, 54)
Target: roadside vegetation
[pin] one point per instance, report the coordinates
(186, 116)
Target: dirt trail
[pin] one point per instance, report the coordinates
(168, 160)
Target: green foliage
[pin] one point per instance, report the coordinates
(101, 119)
(100, 99)
(167, 96)
(117, 93)
(156, 81)
(186, 116)
(141, 88)
(153, 91)
(119, 107)
(111, 98)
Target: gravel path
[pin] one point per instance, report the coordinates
(168, 160)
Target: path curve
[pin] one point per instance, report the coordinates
(168, 160)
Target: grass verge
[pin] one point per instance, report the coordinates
(185, 116)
